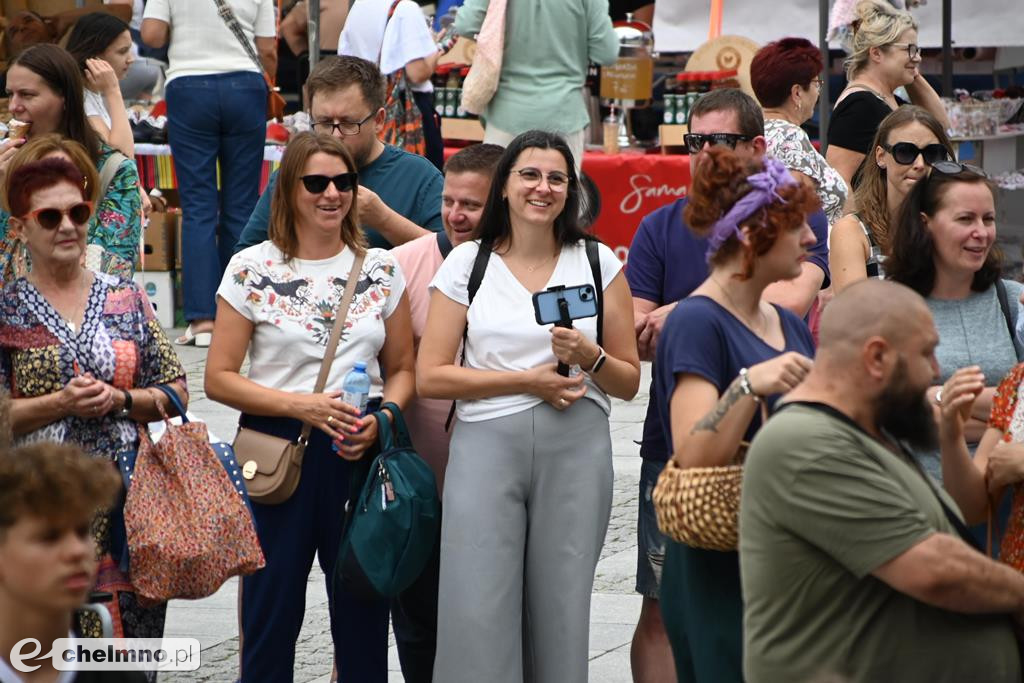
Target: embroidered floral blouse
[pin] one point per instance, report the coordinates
(789, 144)
(116, 225)
(120, 342)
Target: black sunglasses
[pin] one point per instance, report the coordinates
(905, 153)
(50, 218)
(343, 182)
(954, 167)
(695, 141)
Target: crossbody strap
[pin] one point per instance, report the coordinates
(332, 342)
(228, 15)
(593, 256)
(108, 170)
(1004, 305)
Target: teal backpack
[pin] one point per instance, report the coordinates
(392, 520)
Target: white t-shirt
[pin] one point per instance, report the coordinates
(503, 331)
(390, 44)
(292, 306)
(95, 106)
(201, 43)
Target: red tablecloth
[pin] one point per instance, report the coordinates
(630, 187)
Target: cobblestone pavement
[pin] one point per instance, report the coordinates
(615, 605)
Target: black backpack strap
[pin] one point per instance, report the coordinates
(1004, 304)
(444, 245)
(476, 276)
(594, 257)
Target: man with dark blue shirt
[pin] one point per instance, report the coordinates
(399, 193)
(666, 263)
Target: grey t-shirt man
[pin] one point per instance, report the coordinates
(818, 515)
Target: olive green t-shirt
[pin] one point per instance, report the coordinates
(818, 515)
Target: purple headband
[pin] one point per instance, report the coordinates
(764, 184)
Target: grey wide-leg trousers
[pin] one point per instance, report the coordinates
(526, 505)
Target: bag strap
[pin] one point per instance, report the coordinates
(476, 276)
(1004, 305)
(228, 15)
(444, 245)
(594, 257)
(109, 170)
(380, 50)
(172, 396)
(332, 342)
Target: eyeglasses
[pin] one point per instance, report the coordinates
(695, 141)
(912, 49)
(954, 167)
(343, 182)
(531, 177)
(343, 127)
(50, 218)
(818, 81)
(906, 153)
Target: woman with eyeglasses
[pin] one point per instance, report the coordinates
(528, 485)
(77, 349)
(944, 248)
(784, 76)
(884, 56)
(278, 301)
(909, 141)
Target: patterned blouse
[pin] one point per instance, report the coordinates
(1008, 416)
(120, 342)
(116, 225)
(789, 144)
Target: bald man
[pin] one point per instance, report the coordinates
(855, 565)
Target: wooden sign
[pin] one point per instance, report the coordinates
(630, 78)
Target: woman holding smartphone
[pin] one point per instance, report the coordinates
(529, 481)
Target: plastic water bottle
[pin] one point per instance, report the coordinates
(355, 390)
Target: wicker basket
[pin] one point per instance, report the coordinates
(700, 506)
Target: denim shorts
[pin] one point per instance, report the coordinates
(650, 546)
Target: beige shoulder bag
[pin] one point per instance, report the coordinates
(271, 465)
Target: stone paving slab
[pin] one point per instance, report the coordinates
(615, 606)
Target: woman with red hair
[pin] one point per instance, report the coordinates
(784, 75)
(723, 350)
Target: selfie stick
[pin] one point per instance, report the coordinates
(566, 321)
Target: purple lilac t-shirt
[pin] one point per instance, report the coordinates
(666, 263)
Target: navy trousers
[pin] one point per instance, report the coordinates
(273, 600)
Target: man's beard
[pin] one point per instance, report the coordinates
(904, 414)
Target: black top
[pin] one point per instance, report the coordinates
(617, 8)
(855, 121)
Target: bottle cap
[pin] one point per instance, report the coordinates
(359, 365)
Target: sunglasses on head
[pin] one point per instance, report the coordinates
(50, 218)
(954, 167)
(695, 141)
(906, 153)
(343, 182)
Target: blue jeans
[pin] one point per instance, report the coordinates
(219, 117)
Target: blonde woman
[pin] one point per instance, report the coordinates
(884, 56)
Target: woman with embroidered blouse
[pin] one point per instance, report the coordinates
(784, 76)
(45, 88)
(77, 349)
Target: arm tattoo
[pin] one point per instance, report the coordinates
(709, 423)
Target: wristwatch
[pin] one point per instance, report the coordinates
(599, 363)
(127, 407)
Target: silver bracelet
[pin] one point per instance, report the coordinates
(746, 387)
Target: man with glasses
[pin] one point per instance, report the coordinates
(666, 263)
(399, 193)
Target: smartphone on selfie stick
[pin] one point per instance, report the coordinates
(560, 305)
